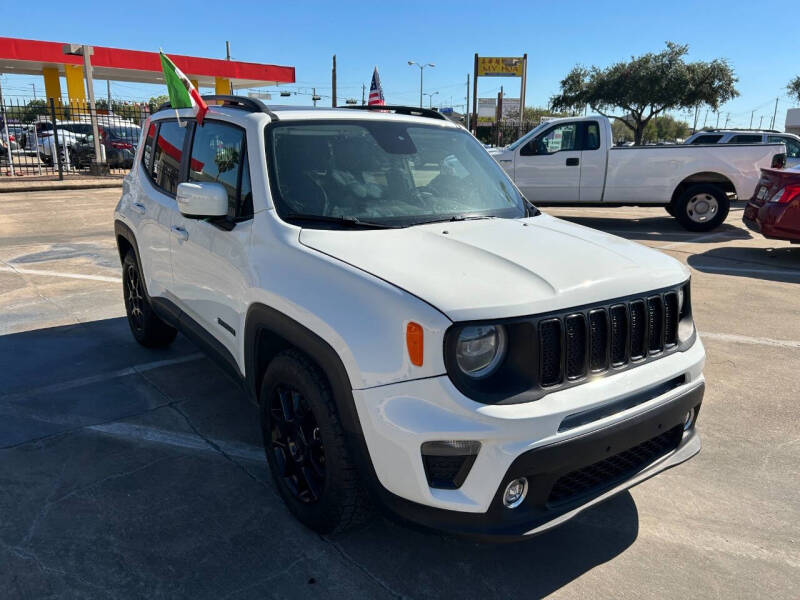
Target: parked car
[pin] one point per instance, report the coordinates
(750, 136)
(414, 336)
(81, 153)
(572, 162)
(774, 209)
(120, 143)
(41, 137)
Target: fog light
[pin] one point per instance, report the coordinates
(515, 492)
(688, 420)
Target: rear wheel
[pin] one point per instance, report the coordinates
(146, 326)
(702, 207)
(305, 446)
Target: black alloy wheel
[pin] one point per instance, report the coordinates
(134, 295)
(296, 443)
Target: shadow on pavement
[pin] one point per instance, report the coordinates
(771, 264)
(426, 565)
(663, 229)
(159, 504)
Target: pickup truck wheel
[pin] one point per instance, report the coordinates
(147, 328)
(305, 446)
(702, 207)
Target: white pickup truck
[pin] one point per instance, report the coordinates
(572, 161)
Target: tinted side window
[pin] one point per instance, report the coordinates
(591, 140)
(792, 145)
(147, 151)
(746, 139)
(560, 137)
(167, 156)
(706, 139)
(217, 151)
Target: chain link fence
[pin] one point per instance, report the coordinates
(56, 137)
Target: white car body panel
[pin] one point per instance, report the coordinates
(502, 267)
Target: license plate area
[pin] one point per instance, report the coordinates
(762, 193)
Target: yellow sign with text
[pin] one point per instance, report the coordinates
(498, 66)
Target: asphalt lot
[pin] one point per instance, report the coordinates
(127, 472)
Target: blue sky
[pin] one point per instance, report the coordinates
(556, 36)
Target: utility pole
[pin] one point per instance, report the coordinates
(333, 82)
(760, 120)
(99, 165)
(227, 50)
(108, 94)
(314, 96)
(498, 116)
(705, 118)
(717, 125)
(751, 119)
(34, 90)
(363, 91)
(696, 110)
(774, 114)
(727, 118)
(466, 112)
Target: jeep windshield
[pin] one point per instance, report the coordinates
(390, 173)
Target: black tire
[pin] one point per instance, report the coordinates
(670, 208)
(306, 448)
(146, 326)
(706, 197)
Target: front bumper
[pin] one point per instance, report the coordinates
(523, 440)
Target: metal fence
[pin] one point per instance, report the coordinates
(56, 137)
(504, 132)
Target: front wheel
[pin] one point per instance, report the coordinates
(702, 207)
(305, 446)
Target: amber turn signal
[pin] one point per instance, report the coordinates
(414, 338)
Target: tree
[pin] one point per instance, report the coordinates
(646, 86)
(794, 88)
(156, 101)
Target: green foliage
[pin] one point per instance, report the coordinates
(535, 113)
(157, 101)
(29, 112)
(663, 128)
(648, 85)
(794, 88)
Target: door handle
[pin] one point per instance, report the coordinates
(573, 162)
(139, 207)
(180, 233)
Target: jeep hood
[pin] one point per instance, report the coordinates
(497, 268)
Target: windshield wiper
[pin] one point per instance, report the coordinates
(341, 220)
(453, 218)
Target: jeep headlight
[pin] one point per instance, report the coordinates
(480, 349)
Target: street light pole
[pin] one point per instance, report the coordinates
(421, 69)
(430, 98)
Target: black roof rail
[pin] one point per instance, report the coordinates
(411, 111)
(243, 102)
(718, 129)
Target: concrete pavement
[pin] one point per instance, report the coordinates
(127, 472)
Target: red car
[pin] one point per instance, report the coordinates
(774, 209)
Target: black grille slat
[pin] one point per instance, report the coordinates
(619, 335)
(670, 319)
(605, 473)
(655, 324)
(638, 329)
(598, 336)
(550, 351)
(576, 346)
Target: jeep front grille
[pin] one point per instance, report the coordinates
(578, 343)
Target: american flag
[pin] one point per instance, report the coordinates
(375, 90)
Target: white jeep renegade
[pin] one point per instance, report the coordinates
(415, 334)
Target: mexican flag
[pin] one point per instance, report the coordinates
(182, 94)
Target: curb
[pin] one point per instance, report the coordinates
(60, 185)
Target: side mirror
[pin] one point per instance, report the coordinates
(202, 199)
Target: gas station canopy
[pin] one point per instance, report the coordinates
(31, 57)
